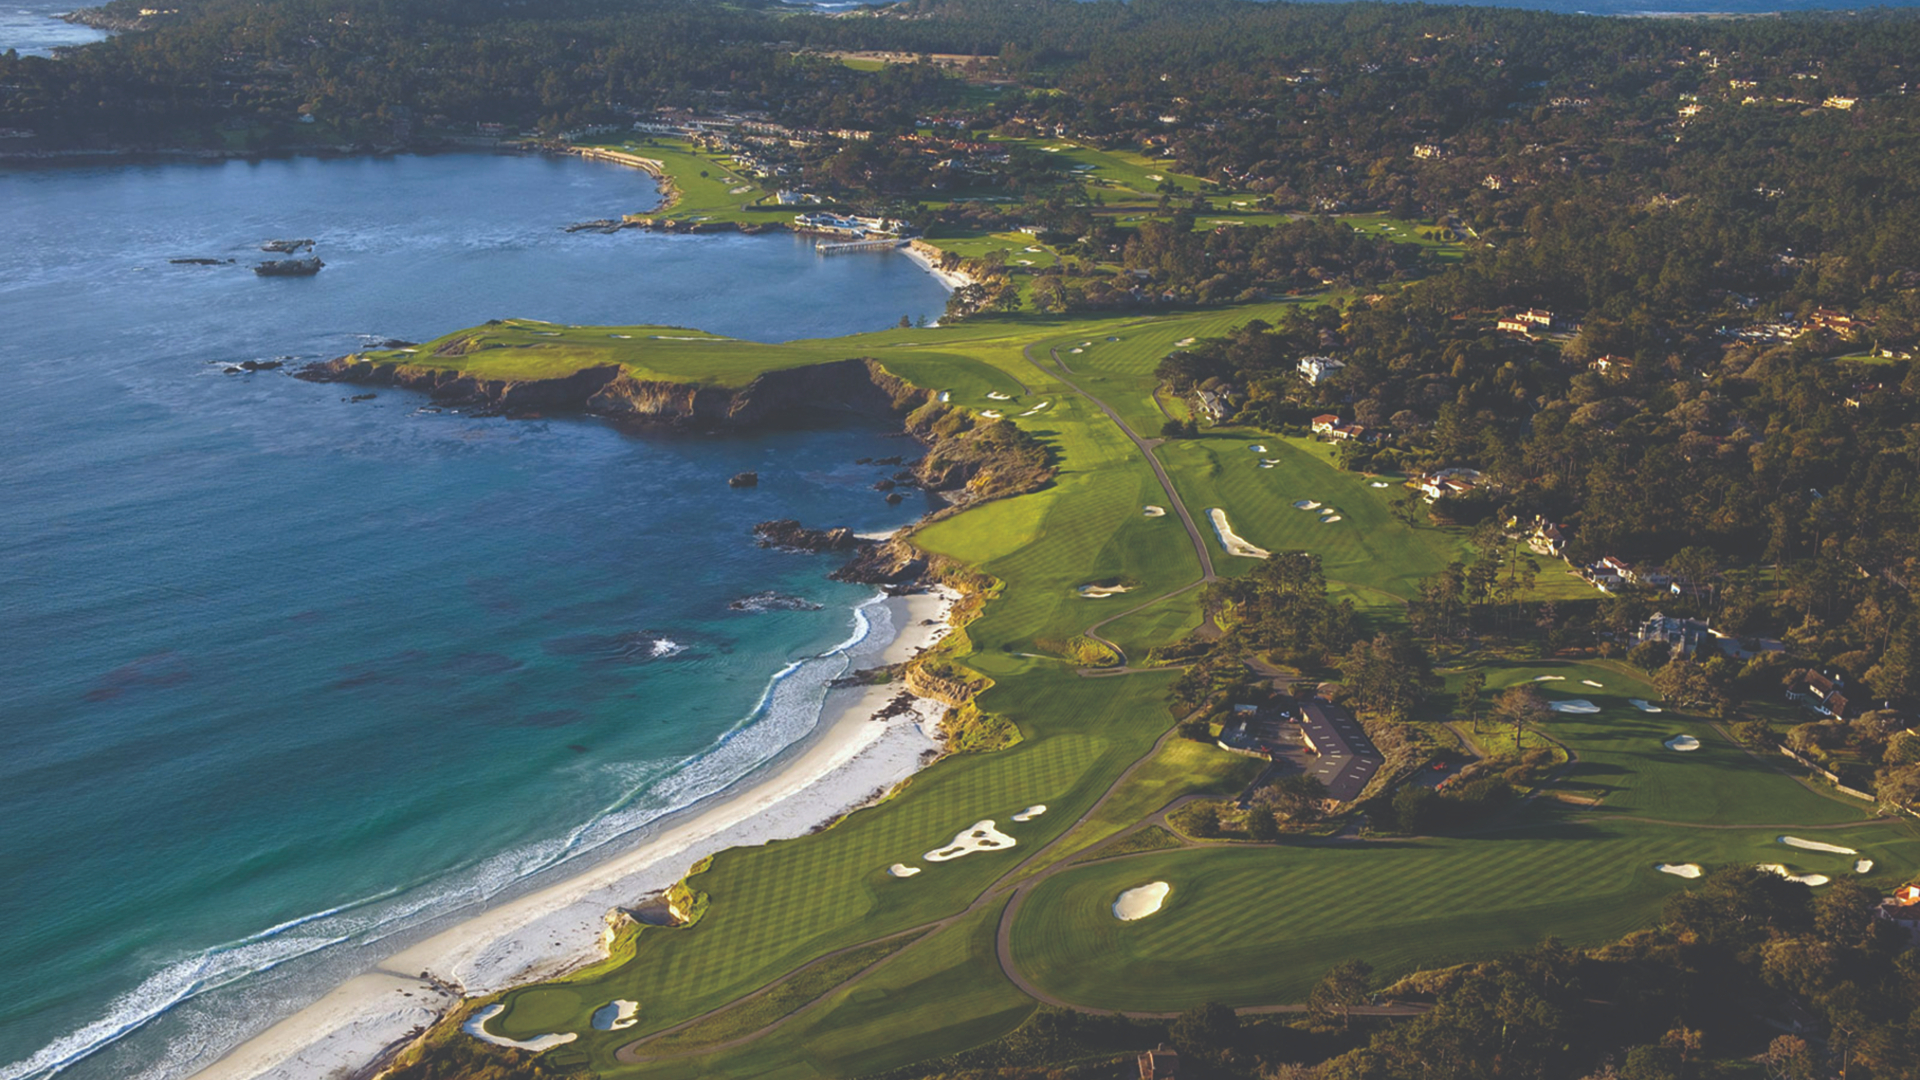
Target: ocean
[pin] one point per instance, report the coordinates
(286, 675)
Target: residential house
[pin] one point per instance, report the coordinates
(1512, 324)
(1611, 366)
(1446, 483)
(1902, 909)
(1547, 539)
(1537, 317)
(1819, 692)
(1344, 432)
(1325, 423)
(1683, 636)
(1318, 368)
(1838, 102)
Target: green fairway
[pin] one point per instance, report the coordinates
(1369, 556)
(776, 907)
(1625, 764)
(1248, 925)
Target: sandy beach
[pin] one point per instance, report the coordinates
(952, 279)
(848, 758)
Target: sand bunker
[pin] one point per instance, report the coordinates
(1183, 343)
(1683, 742)
(1579, 705)
(1113, 339)
(1377, 483)
(1141, 902)
(1306, 504)
(1590, 682)
(738, 190)
(1266, 464)
(1331, 520)
(1863, 866)
(616, 1015)
(1101, 592)
(1031, 812)
(991, 414)
(981, 837)
(1031, 249)
(946, 396)
(1685, 869)
(902, 870)
(1258, 448)
(1036, 408)
(1644, 706)
(1154, 511)
(998, 396)
(1076, 350)
(622, 337)
(477, 1027)
(1232, 540)
(1804, 879)
(1815, 845)
(1549, 678)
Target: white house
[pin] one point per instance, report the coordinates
(1318, 368)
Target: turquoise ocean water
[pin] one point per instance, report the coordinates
(284, 676)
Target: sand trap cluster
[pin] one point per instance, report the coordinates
(1031, 812)
(902, 870)
(1804, 879)
(1138, 903)
(1232, 540)
(616, 1015)
(1815, 845)
(1036, 408)
(1863, 866)
(1685, 869)
(476, 1026)
(998, 396)
(1573, 705)
(1683, 742)
(1101, 592)
(1154, 511)
(1644, 706)
(981, 837)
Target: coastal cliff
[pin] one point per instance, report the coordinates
(788, 395)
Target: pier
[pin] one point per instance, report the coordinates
(850, 246)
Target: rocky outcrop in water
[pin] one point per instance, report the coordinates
(790, 534)
(744, 480)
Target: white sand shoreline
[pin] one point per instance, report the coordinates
(845, 760)
(951, 279)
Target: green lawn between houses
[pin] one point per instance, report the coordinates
(1246, 924)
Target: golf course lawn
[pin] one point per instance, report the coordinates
(776, 907)
(1252, 925)
(1623, 760)
(1369, 556)
(1245, 924)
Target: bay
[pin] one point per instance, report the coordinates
(285, 674)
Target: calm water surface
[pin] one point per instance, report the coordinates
(285, 674)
